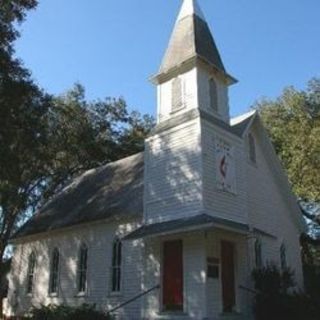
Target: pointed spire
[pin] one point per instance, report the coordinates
(189, 8)
(191, 38)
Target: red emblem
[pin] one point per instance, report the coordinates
(223, 166)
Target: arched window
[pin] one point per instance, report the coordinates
(116, 265)
(177, 102)
(283, 257)
(252, 149)
(31, 270)
(258, 253)
(213, 95)
(82, 268)
(54, 271)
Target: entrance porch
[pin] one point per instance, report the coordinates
(199, 272)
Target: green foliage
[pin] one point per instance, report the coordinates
(276, 299)
(12, 13)
(293, 122)
(45, 140)
(271, 281)
(53, 312)
(312, 279)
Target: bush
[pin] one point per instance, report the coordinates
(276, 299)
(53, 312)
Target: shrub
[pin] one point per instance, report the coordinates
(276, 299)
(53, 312)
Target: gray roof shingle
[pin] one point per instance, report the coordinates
(111, 191)
(191, 37)
(179, 225)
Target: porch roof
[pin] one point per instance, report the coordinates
(197, 222)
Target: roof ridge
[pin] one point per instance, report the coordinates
(236, 120)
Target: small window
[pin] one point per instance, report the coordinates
(116, 265)
(258, 253)
(252, 149)
(213, 95)
(283, 257)
(54, 272)
(177, 102)
(31, 270)
(82, 268)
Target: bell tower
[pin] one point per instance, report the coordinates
(192, 84)
(192, 74)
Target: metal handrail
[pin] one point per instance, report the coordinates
(248, 289)
(133, 299)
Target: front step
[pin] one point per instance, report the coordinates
(234, 316)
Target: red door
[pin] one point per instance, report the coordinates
(172, 276)
(228, 277)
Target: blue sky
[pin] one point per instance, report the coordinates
(112, 47)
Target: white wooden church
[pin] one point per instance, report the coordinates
(182, 224)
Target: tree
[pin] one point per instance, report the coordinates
(12, 12)
(45, 140)
(293, 122)
(85, 134)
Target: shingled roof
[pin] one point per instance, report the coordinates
(191, 37)
(111, 191)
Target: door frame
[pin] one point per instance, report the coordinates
(235, 263)
(161, 305)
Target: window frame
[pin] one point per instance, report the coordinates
(213, 94)
(54, 272)
(177, 88)
(252, 149)
(258, 259)
(82, 269)
(116, 266)
(283, 257)
(32, 261)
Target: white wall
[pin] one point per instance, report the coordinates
(230, 206)
(195, 94)
(242, 273)
(99, 238)
(204, 95)
(173, 177)
(269, 209)
(189, 94)
(194, 276)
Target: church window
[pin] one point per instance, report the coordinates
(54, 272)
(82, 268)
(116, 265)
(177, 94)
(31, 270)
(258, 253)
(213, 95)
(283, 257)
(252, 149)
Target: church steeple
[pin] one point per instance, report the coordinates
(189, 8)
(191, 57)
(191, 38)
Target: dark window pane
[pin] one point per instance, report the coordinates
(82, 269)
(31, 269)
(116, 265)
(54, 274)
